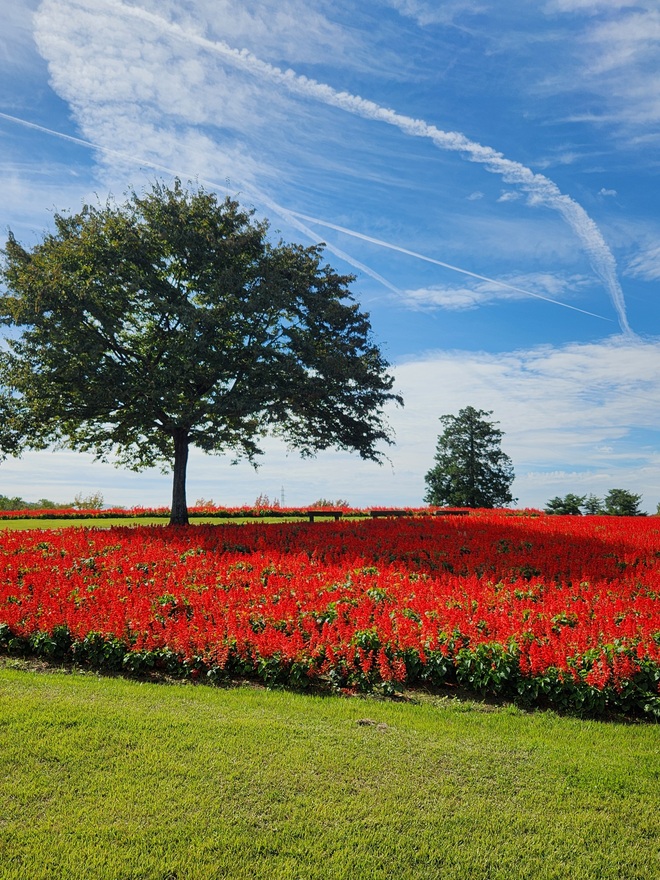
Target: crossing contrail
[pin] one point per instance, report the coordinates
(295, 219)
(283, 212)
(541, 190)
(418, 256)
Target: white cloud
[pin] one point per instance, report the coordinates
(509, 196)
(558, 407)
(480, 293)
(148, 70)
(606, 192)
(589, 6)
(16, 44)
(111, 66)
(628, 40)
(425, 12)
(151, 96)
(616, 57)
(572, 418)
(32, 193)
(646, 264)
(294, 30)
(475, 196)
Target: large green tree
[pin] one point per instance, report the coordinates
(470, 468)
(139, 330)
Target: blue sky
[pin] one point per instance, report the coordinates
(488, 170)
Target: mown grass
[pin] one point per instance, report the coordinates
(109, 778)
(103, 523)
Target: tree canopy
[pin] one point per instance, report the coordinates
(569, 505)
(621, 502)
(592, 505)
(170, 320)
(470, 470)
(617, 502)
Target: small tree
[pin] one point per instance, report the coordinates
(170, 321)
(94, 501)
(470, 468)
(592, 505)
(569, 505)
(620, 502)
(325, 503)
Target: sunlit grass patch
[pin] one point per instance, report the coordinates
(108, 778)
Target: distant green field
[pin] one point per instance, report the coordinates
(109, 779)
(102, 523)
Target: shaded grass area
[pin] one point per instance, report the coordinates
(109, 778)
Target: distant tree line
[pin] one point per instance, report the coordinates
(81, 502)
(617, 502)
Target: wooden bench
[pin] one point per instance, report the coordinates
(336, 514)
(451, 512)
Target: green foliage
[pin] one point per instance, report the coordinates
(47, 504)
(617, 502)
(569, 505)
(88, 502)
(325, 504)
(172, 321)
(17, 503)
(470, 468)
(592, 505)
(620, 502)
(12, 426)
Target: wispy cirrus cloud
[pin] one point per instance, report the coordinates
(456, 298)
(590, 6)
(425, 12)
(538, 285)
(62, 47)
(617, 59)
(646, 263)
(121, 158)
(17, 47)
(295, 30)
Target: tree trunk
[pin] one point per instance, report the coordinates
(179, 514)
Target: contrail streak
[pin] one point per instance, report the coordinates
(283, 212)
(418, 256)
(129, 157)
(541, 189)
(295, 218)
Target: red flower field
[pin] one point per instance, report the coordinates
(560, 611)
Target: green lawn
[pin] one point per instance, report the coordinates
(109, 778)
(104, 523)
